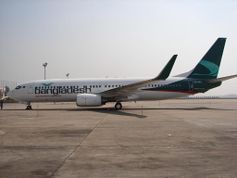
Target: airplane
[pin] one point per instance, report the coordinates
(98, 92)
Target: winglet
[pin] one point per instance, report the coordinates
(164, 74)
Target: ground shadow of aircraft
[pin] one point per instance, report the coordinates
(111, 111)
(125, 111)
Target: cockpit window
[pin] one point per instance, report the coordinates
(18, 87)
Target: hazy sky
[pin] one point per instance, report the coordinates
(113, 38)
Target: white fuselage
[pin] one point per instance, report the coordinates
(67, 90)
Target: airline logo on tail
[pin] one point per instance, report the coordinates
(209, 66)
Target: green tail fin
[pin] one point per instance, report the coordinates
(208, 67)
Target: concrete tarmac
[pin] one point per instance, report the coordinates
(167, 139)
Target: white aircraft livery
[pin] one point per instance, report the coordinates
(97, 92)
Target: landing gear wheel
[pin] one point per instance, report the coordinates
(29, 107)
(118, 106)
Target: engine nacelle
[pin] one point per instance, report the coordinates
(86, 99)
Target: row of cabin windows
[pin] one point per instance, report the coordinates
(106, 86)
(160, 85)
(88, 86)
(98, 86)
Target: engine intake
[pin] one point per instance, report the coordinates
(86, 99)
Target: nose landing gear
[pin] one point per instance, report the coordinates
(28, 107)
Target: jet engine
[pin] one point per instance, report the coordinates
(86, 99)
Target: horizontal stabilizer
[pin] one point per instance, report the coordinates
(164, 74)
(222, 79)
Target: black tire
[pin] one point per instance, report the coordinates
(118, 106)
(29, 107)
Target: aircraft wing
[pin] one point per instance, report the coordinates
(124, 91)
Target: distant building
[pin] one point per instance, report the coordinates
(1, 92)
(4, 83)
(10, 84)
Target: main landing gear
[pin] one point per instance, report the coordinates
(118, 106)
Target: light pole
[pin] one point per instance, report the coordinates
(45, 65)
(67, 75)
